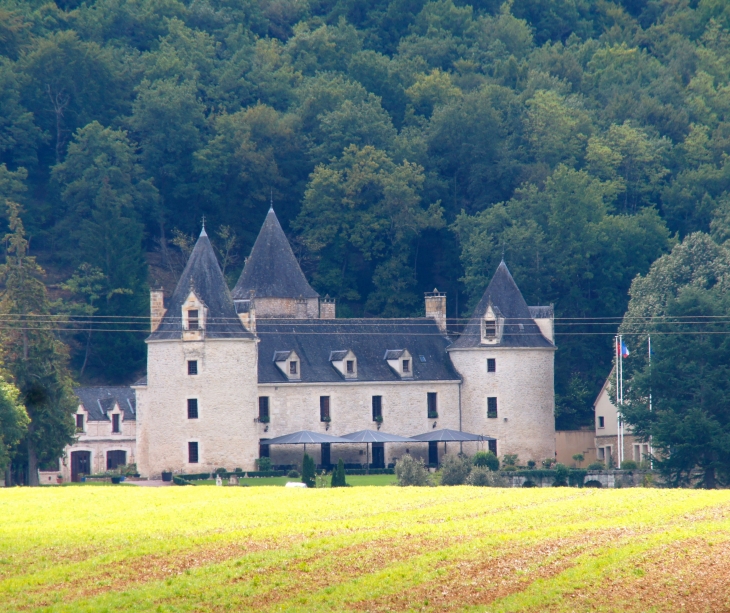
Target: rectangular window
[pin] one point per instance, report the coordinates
(601, 453)
(350, 366)
(193, 321)
(491, 407)
(490, 328)
(637, 453)
(433, 408)
(264, 409)
(263, 450)
(377, 408)
(115, 422)
(406, 366)
(192, 408)
(491, 365)
(115, 459)
(324, 408)
(493, 447)
(79, 423)
(192, 453)
(601, 421)
(292, 368)
(192, 367)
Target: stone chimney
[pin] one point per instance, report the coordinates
(327, 308)
(157, 308)
(436, 308)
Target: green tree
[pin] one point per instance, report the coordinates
(33, 355)
(13, 422)
(364, 207)
(338, 475)
(308, 468)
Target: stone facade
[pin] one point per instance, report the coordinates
(523, 386)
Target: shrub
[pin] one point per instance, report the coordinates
(338, 475)
(293, 474)
(629, 465)
(486, 459)
(238, 471)
(596, 466)
(578, 458)
(409, 471)
(263, 464)
(308, 474)
(529, 483)
(561, 475)
(531, 464)
(455, 469)
(483, 477)
(509, 467)
(548, 462)
(510, 459)
(220, 471)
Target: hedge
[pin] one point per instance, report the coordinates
(262, 473)
(373, 471)
(180, 481)
(195, 477)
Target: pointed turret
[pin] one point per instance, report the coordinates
(502, 304)
(201, 301)
(272, 270)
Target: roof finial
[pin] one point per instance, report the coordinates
(271, 205)
(502, 253)
(202, 232)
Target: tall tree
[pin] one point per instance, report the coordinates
(33, 354)
(13, 422)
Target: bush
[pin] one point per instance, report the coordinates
(410, 472)
(180, 481)
(548, 462)
(220, 471)
(596, 466)
(308, 472)
(593, 483)
(483, 477)
(338, 475)
(510, 459)
(266, 473)
(293, 474)
(263, 464)
(561, 475)
(455, 469)
(486, 459)
(531, 464)
(529, 483)
(509, 467)
(629, 465)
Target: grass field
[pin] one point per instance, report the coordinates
(281, 481)
(363, 549)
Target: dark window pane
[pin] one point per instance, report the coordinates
(79, 422)
(192, 453)
(491, 365)
(263, 451)
(491, 407)
(193, 321)
(433, 410)
(490, 328)
(406, 366)
(292, 368)
(377, 408)
(192, 408)
(192, 367)
(600, 422)
(115, 459)
(350, 366)
(264, 409)
(115, 422)
(324, 408)
(493, 447)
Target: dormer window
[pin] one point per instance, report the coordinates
(344, 362)
(490, 328)
(288, 363)
(193, 320)
(401, 362)
(350, 367)
(79, 422)
(406, 366)
(116, 429)
(293, 368)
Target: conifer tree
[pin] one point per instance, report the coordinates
(33, 355)
(308, 471)
(338, 475)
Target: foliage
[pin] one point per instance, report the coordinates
(687, 377)
(486, 459)
(308, 470)
(455, 469)
(596, 466)
(561, 475)
(13, 421)
(578, 458)
(410, 471)
(263, 464)
(293, 474)
(629, 465)
(338, 475)
(484, 477)
(510, 459)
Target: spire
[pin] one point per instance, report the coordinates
(502, 293)
(203, 277)
(272, 270)
(271, 205)
(203, 232)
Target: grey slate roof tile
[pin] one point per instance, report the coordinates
(314, 340)
(98, 400)
(272, 271)
(520, 329)
(203, 276)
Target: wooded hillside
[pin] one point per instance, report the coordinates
(406, 144)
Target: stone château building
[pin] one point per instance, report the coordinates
(227, 371)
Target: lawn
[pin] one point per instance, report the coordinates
(281, 481)
(363, 549)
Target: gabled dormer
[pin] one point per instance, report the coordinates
(289, 364)
(401, 362)
(193, 313)
(492, 326)
(345, 363)
(116, 417)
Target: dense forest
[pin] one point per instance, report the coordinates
(406, 145)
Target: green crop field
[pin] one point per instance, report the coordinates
(363, 549)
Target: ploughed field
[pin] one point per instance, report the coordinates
(363, 549)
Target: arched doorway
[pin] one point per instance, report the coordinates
(80, 464)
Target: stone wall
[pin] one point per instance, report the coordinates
(295, 308)
(523, 386)
(225, 387)
(295, 406)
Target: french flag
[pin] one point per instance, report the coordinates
(624, 350)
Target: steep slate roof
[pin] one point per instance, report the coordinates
(203, 276)
(507, 300)
(98, 400)
(314, 340)
(272, 271)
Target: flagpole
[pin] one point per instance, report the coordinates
(618, 395)
(651, 447)
(621, 421)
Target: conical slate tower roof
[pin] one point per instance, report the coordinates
(271, 270)
(506, 298)
(203, 276)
